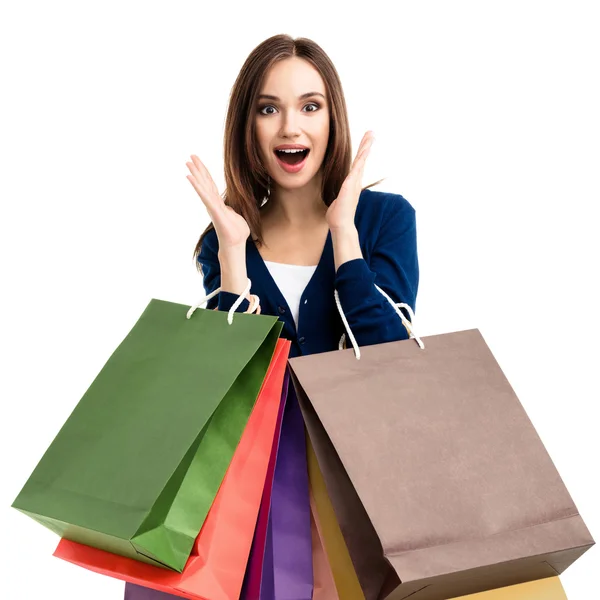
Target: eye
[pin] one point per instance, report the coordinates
(262, 108)
(315, 105)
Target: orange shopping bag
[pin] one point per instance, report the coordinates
(218, 561)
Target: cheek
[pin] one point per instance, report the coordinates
(323, 132)
(323, 137)
(262, 139)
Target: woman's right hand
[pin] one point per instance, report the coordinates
(231, 228)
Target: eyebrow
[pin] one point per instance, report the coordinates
(304, 96)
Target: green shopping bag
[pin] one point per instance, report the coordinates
(136, 466)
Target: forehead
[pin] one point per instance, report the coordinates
(292, 77)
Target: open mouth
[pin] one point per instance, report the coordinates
(293, 157)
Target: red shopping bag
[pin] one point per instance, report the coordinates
(218, 561)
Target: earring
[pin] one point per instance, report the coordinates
(266, 198)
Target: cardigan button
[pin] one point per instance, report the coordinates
(281, 310)
(301, 340)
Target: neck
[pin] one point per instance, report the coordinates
(297, 207)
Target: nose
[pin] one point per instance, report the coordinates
(289, 125)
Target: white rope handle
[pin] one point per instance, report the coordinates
(396, 306)
(254, 304)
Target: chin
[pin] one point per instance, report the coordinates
(293, 182)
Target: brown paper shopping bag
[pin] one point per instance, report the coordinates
(439, 481)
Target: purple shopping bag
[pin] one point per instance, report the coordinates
(137, 592)
(251, 589)
(286, 554)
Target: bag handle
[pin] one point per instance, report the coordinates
(254, 302)
(396, 306)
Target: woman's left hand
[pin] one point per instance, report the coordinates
(341, 212)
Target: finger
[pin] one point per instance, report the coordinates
(359, 161)
(366, 141)
(195, 184)
(361, 167)
(365, 153)
(200, 166)
(362, 157)
(365, 144)
(360, 148)
(204, 184)
(210, 206)
(195, 180)
(203, 176)
(356, 176)
(199, 171)
(198, 163)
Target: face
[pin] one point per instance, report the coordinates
(292, 110)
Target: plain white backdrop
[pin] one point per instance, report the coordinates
(486, 118)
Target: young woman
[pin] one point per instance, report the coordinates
(297, 225)
(294, 220)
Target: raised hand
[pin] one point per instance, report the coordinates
(341, 212)
(232, 229)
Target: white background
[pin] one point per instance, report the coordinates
(486, 116)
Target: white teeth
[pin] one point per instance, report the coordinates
(291, 151)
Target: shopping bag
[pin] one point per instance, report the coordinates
(287, 567)
(123, 472)
(324, 583)
(438, 479)
(290, 511)
(346, 581)
(541, 589)
(251, 587)
(216, 567)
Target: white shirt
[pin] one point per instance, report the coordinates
(291, 281)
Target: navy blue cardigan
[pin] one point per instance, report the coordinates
(387, 233)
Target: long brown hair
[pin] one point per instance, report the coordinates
(246, 178)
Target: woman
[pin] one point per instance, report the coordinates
(297, 224)
(294, 219)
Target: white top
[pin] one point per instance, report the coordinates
(291, 281)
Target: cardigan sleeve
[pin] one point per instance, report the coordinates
(211, 275)
(394, 267)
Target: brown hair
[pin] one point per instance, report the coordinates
(246, 178)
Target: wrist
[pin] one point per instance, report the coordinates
(346, 234)
(346, 245)
(234, 276)
(231, 252)
(345, 231)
